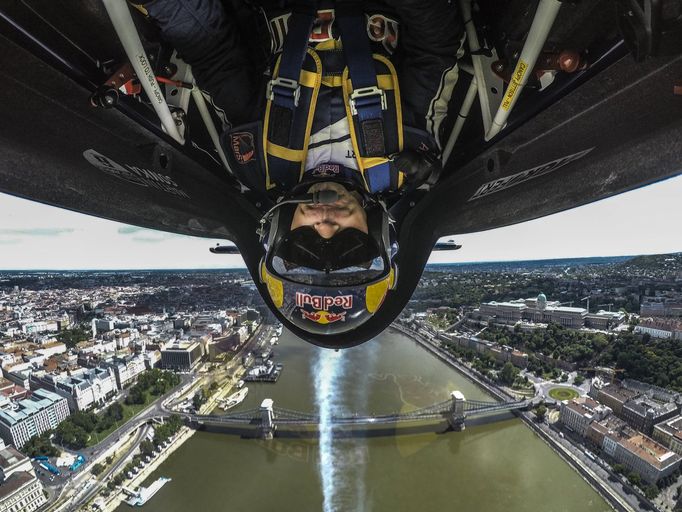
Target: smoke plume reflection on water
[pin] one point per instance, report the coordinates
(328, 370)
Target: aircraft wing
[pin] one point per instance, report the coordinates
(612, 132)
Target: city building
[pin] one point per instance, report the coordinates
(604, 320)
(540, 310)
(665, 328)
(651, 460)
(39, 327)
(12, 391)
(181, 355)
(126, 369)
(642, 413)
(501, 353)
(615, 397)
(579, 413)
(19, 421)
(84, 388)
(20, 490)
(102, 325)
(603, 434)
(152, 359)
(661, 306)
(669, 433)
(220, 345)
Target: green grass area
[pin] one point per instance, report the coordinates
(129, 412)
(560, 393)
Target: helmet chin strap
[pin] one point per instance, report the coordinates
(319, 197)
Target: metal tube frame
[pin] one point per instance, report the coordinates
(464, 110)
(127, 33)
(474, 48)
(537, 36)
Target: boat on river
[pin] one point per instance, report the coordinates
(144, 494)
(233, 399)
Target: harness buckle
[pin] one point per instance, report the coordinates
(285, 87)
(365, 93)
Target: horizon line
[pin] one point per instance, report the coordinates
(245, 268)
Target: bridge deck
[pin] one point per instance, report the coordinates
(282, 416)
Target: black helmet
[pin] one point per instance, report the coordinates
(328, 286)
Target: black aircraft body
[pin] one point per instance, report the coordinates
(601, 114)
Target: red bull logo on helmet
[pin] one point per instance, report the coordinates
(323, 317)
(324, 302)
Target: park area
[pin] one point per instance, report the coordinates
(563, 393)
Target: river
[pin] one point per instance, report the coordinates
(493, 467)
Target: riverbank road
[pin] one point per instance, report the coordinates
(631, 498)
(92, 486)
(100, 451)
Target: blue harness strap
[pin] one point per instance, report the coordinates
(284, 90)
(367, 101)
(379, 178)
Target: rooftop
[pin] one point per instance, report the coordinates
(181, 345)
(565, 309)
(15, 482)
(619, 393)
(649, 450)
(671, 426)
(642, 404)
(40, 399)
(10, 457)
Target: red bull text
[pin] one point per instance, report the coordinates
(323, 302)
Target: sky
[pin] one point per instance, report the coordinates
(643, 221)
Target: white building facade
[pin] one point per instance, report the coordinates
(24, 419)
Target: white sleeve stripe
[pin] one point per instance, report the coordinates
(438, 108)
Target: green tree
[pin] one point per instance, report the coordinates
(40, 445)
(85, 420)
(619, 468)
(136, 395)
(71, 435)
(634, 478)
(73, 336)
(508, 373)
(147, 447)
(540, 412)
(199, 399)
(579, 379)
(97, 469)
(651, 491)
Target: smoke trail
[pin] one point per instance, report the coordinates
(328, 371)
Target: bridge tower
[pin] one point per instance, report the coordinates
(457, 413)
(268, 425)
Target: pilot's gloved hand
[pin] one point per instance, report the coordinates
(418, 167)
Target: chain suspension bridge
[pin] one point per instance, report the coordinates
(267, 418)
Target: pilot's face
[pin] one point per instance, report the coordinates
(329, 219)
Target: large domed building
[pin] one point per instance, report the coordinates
(543, 311)
(541, 302)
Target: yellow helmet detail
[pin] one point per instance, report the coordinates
(375, 294)
(275, 287)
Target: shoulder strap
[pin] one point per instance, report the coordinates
(367, 100)
(284, 91)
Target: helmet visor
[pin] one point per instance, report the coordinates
(350, 257)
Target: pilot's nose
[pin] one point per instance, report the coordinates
(326, 229)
